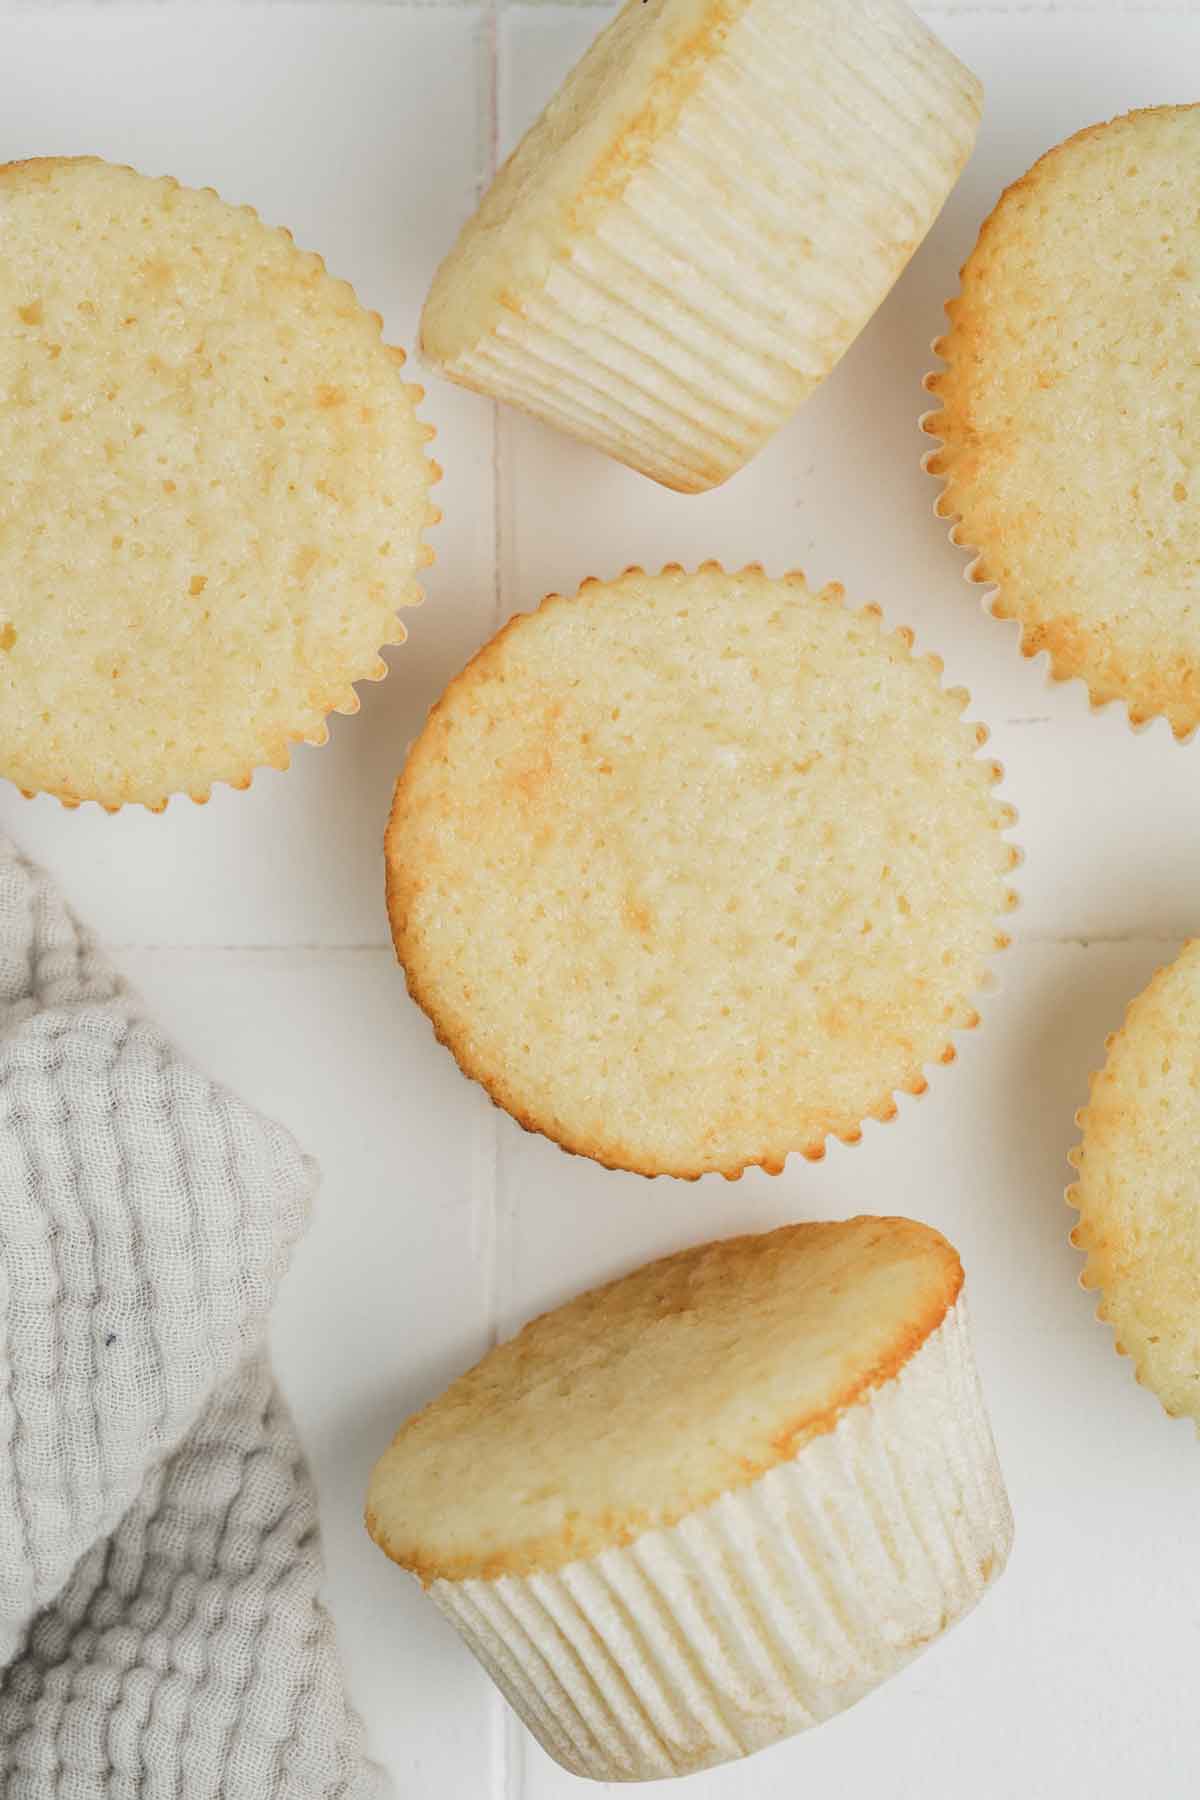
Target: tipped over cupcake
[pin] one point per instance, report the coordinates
(714, 1502)
(702, 221)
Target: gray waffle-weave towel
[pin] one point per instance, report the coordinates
(161, 1632)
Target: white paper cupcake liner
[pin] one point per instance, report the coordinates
(770, 1610)
(741, 260)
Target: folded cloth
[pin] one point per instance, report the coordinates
(161, 1632)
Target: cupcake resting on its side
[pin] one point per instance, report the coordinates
(215, 488)
(1137, 1194)
(701, 223)
(714, 1502)
(1069, 412)
(691, 871)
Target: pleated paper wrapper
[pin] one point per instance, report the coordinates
(770, 1610)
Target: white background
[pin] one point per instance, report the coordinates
(255, 926)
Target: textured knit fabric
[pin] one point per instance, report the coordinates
(161, 1635)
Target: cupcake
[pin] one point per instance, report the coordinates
(1139, 1211)
(694, 870)
(701, 223)
(713, 1503)
(215, 488)
(1068, 420)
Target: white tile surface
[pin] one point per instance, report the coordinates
(366, 129)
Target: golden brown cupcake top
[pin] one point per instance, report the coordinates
(1137, 1195)
(215, 488)
(1069, 417)
(644, 1400)
(692, 871)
